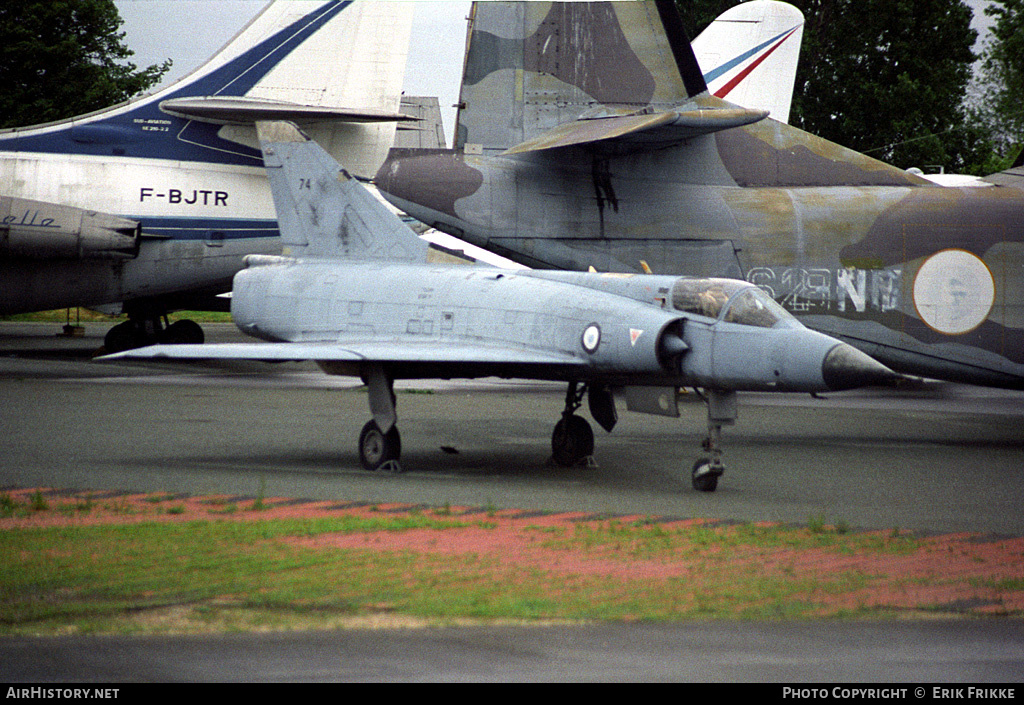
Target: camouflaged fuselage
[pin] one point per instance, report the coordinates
(928, 279)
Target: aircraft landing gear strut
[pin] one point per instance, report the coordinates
(380, 445)
(148, 325)
(572, 442)
(722, 411)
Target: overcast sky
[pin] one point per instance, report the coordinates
(190, 31)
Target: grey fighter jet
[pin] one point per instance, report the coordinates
(353, 292)
(587, 136)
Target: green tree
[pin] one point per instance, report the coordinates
(60, 58)
(698, 14)
(884, 77)
(1002, 77)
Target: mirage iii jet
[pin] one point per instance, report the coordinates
(354, 293)
(587, 137)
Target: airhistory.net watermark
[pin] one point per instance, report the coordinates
(62, 693)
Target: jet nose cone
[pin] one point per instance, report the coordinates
(846, 367)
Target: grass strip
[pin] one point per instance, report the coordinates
(222, 574)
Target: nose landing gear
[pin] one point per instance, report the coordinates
(722, 411)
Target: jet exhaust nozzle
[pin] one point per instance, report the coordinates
(41, 230)
(846, 367)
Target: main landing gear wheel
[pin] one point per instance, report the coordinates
(379, 450)
(123, 336)
(705, 475)
(184, 332)
(572, 441)
(147, 327)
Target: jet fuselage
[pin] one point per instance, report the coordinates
(929, 280)
(588, 137)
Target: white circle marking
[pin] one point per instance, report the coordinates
(954, 292)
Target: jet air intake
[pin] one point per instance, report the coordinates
(39, 230)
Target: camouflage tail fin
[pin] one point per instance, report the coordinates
(532, 66)
(322, 211)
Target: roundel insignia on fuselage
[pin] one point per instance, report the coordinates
(591, 338)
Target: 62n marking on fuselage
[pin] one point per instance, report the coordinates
(820, 290)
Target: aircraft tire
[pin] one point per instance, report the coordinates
(121, 337)
(703, 478)
(376, 448)
(184, 332)
(572, 441)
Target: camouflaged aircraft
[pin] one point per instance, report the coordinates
(586, 137)
(353, 291)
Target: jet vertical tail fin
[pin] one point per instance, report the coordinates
(749, 55)
(332, 66)
(531, 67)
(322, 211)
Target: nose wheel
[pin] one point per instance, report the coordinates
(722, 411)
(705, 475)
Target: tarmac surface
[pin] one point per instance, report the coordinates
(908, 655)
(933, 458)
(937, 458)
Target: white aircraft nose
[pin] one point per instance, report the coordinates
(846, 367)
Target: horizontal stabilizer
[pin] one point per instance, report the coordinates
(243, 111)
(641, 131)
(360, 351)
(1013, 177)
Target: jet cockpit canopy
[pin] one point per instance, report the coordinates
(729, 300)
